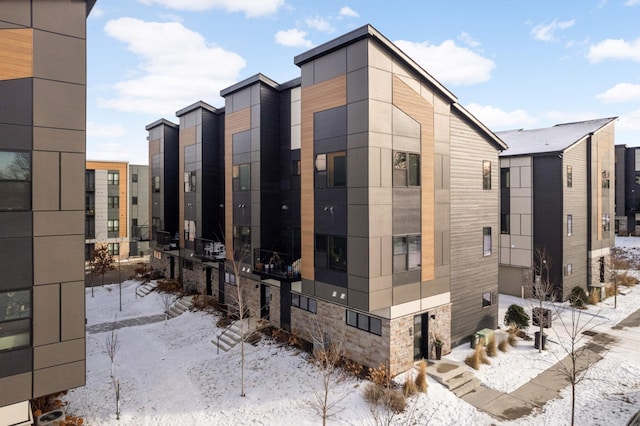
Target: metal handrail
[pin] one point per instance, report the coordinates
(221, 334)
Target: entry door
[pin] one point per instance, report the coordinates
(265, 301)
(209, 289)
(421, 336)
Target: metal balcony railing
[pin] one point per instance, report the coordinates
(209, 250)
(275, 264)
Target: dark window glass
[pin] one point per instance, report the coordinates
(113, 177)
(414, 170)
(406, 169)
(363, 322)
(569, 225)
(505, 224)
(134, 177)
(134, 201)
(505, 178)
(338, 170)
(569, 176)
(295, 300)
(113, 202)
(242, 177)
(15, 180)
(338, 253)
(486, 299)
(156, 184)
(242, 242)
(313, 305)
(375, 326)
(352, 318)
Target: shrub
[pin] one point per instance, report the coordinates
(578, 297)
(373, 393)
(409, 387)
(594, 296)
(516, 315)
(610, 291)
(390, 398)
(475, 358)
(503, 346)
(421, 378)
(492, 346)
(351, 367)
(205, 303)
(380, 375)
(626, 280)
(142, 270)
(169, 286)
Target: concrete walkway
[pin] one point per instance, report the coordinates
(548, 384)
(131, 322)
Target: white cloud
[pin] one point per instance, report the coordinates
(497, 119)
(319, 24)
(468, 40)
(176, 67)
(632, 2)
(347, 11)
(251, 8)
(293, 38)
(96, 12)
(615, 49)
(449, 63)
(630, 122)
(546, 32)
(97, 130)
(621, 92)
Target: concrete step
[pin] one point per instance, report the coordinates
(230, 337)
(146, 288)
(444, 370)
(179, 307)
(459, 380)
(466, 388)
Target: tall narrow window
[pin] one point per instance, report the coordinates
(606, 222)
(134, 201)
(242, 242)
(113, 202)
(406, 169)
(113, 249)
(486, 174)
(242, 177)
(486, 241)
(569, 225)
(331, 170)
(156, 184)
(134, 177)
(606, 179)
(569, 176)
(113, 225)
(406, 253)
(190, 181)
(15, 180)
(505, 178)
(505, 225)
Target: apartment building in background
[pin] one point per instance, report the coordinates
(361, 196)
(557, 194)
(42, 161)
(106, 191)
(138, 210)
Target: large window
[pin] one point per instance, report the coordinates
(242, 242)
(15, 180)
(15, 319)
(113, 202)
(406, 169)
(486, 174)
(364, 322)
(303, 302)
(242, 177)
(486, 241)
(406, 253)
(569, 225)
(331, 252)
(113, 225)
(113, 177)
(505, 177)
(331, 169)
(113, 249)
(606, 222)
(190, 181)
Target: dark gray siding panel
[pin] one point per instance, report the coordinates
(16, 362)
(16, 102)
(548, 211)
(16, 137)
(16, 263)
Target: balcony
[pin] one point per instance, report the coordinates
(209, 250)
(268, 263)
(163, 240)
(140, 233)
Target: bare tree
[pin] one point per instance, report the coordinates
(328, 355)
(102, 262)
(112, 345)
(542, 292)
(167, 300)
(579, 358)
(116, 388)
(618, 263)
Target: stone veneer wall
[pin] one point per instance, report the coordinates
(251, 288)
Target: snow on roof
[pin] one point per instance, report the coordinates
(550, 139)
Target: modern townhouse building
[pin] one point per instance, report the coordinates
(558, 195)
(106, 190)
(360, 196)
(42, 159)
(627, 184)
(138, 210)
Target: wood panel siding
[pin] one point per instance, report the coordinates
(16, 53)
(235, 122)
(420, 110)
(472, 209)
(328, 94)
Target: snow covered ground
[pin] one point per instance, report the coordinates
(170, 374)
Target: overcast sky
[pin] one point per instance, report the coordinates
(513, 64)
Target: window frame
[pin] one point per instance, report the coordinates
(18, 185)
(113, 201)
(241, 177)
(325, 170)
(134, 177)
(406, 172)
(113, 177)
(569, 225)
(487, 249)
(407, 252)
(363, 322)
(305, 303)
(113, 225)
(505, 223)
(17, 327)
(606, 222)
(134, 200)
(486, 174)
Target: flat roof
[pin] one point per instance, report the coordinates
(159, 123)
(194, 106)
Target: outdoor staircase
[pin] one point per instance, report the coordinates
(230, 336)
(146, 288)
(180, 306)
(454, 376)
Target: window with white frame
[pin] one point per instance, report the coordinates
(113, 177)
(113, 225)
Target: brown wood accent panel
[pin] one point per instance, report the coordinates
(154, 148)
(16, 53)
(317, 97)
(234, 122)
(418, 108)
(187, 137)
